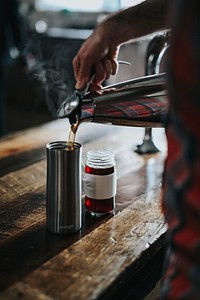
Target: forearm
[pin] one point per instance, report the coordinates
(142, 19)
(101, 49)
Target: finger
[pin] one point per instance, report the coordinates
(113, 55)
(81, 72)
(115, 66)
(100, 73)
(96, 88)
(108, 67)
(76, 66)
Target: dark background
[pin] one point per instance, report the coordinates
(33, 95)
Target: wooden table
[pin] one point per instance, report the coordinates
(118, 256)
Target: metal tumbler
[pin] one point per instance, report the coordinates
(63, 194)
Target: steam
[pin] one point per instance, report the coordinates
(54, 75)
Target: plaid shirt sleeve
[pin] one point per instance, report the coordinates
(181, 184)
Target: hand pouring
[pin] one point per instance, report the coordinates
(71, 106)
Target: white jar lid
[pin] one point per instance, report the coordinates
(100, 158)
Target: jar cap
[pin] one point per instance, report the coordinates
(100, 158)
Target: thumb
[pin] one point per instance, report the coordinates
(83, 75)
(80, 84)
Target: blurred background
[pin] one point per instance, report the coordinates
(54, 32)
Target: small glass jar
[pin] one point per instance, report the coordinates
(100, 182)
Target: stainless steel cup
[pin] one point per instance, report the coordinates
(63, 194)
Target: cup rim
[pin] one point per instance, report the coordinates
(62, 146)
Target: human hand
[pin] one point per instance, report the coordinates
(97, 54)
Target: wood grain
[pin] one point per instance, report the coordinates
(92, 264)
(109, 252)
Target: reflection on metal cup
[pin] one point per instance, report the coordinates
(63, 190)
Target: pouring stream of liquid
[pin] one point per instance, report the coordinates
(71, 136)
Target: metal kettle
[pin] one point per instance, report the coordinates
(137, 102)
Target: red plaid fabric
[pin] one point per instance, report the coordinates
(146, 109)
(136, 109)
(181, 190)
